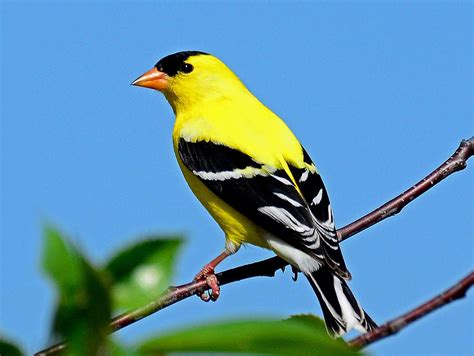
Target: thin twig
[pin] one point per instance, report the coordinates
(269, 266)
(457, 291)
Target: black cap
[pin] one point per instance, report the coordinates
(172, 63)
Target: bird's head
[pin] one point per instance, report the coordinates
(190, 78)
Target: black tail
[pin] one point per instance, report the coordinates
(341, 310)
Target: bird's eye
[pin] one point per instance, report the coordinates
(186, 68)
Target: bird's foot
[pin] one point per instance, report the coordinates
(207, 274)
(295, 273)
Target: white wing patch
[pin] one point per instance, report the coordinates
(284, 217)
(247, 172)
(289, 200)
(318, 197)
(282, 180)
(304, 176)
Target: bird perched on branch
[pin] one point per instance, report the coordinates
(253, 176)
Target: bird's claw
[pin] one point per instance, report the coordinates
(212, 283)
(295, 271)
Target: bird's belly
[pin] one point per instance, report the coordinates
(237, 228)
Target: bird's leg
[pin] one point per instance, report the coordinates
(207, 273)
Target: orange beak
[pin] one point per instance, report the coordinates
(153, 79)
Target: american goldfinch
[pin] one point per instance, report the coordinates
(254, 177)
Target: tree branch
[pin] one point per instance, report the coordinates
(268, 267)
(457, 291)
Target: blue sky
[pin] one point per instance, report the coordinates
(379, 93)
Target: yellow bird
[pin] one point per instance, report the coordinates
(256, 180)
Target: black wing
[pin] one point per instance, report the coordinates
(264, 194)
(315, 194)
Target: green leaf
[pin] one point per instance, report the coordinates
(84, 308)
(300, 335)
(310, 319)
(141, 272)
(7, 348)
(60, 261)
